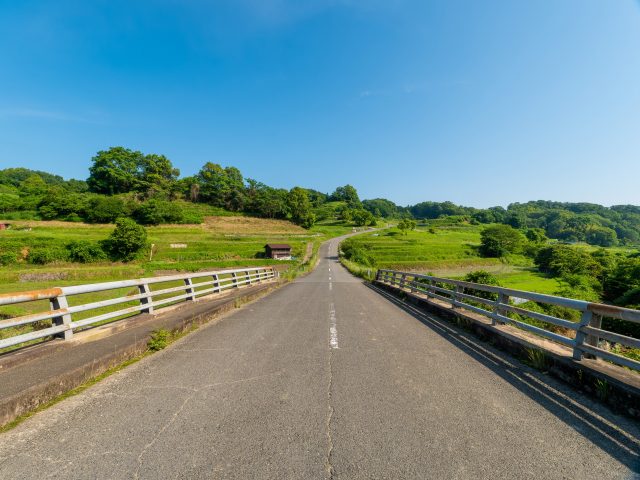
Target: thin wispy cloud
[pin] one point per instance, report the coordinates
(42, 114)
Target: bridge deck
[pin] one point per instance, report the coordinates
(325, 378)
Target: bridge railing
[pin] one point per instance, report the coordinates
(75, 307)
(585, 333)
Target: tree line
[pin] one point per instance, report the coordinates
(149, 189)
(569, 222)
(589, 274)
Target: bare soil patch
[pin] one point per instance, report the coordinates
(249, 225)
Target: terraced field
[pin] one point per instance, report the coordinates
(227, 241)
(451, 252)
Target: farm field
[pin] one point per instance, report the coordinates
(451, 252)
(228, 241)
(219, 242)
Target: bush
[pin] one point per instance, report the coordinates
(84, 251)
(358, 253)
(8, 258)
(105, 209)
(562, 260)
(155, 212)
(44, 255)
(127, 241)
(73, 217)
(499, 240)
(159, 340)
(485, 278)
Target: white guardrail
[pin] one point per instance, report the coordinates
(588, 331)
(67, 314)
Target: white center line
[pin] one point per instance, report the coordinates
(330, 285)
(333, 329)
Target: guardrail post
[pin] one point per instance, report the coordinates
(234, 280)
(429, 288)
(587, 316)
(413, 286)
(247, 277)
(593, 340)
(60, 303)
(189, 290)
(503, 299)
(216, 283)
(454, 296)
(148, 300)
(403, 281)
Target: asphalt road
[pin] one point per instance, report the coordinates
(325, 378)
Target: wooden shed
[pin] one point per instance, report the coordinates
(279, 251)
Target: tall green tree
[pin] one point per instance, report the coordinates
(157, 173)
(116, 170)
(499, 240)
(299, 207)
(222, 187)
(120, 170)
(348, 194)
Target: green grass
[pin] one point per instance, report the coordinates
(451, 252)
(419, 250)
(210, 246)
(530, 281)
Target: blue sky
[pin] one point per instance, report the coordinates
(481, 103)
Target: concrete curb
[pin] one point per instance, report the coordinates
(622, 385)
(178, 320)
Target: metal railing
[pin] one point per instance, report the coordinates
(148, 294)
(588, 330)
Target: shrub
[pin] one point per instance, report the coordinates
(73, 217)
(560, 260)
(104, 209)
(127, 241)
(155, 212)
(499, 240)
(84, 251)
(485, 278)
(44, 255)
(159, 340)
(8, 258)
(358, 253)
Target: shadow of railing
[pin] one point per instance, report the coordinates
(614, 434)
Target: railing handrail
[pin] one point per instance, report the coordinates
(44, 294)
(588, 330)
(60, 313)
(611, 311)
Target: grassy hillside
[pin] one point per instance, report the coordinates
(219, 242)
(450, 251)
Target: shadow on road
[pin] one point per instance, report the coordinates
(616, 435)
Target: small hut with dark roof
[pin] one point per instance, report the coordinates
(279, 251)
